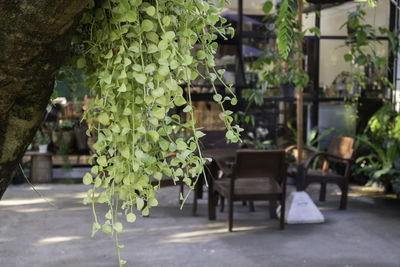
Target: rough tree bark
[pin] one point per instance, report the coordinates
(34, 39)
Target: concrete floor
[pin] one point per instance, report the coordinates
(32, 233)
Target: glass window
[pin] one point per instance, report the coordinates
(308, 20)
(334, 71)
(333, 18)
(253, 7)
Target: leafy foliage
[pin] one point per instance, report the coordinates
(362, 54)
(41, 138)
(380, 147)
(286, 25)
(314, 139)
(282, 67)
(135, 56)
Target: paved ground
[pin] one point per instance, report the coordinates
(32, 233)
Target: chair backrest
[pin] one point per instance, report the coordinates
(215, 139)
(341, 147)
(260, 163)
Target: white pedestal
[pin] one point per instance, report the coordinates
(301, 209)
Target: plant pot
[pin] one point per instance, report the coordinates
(287, 90)
(43, 148)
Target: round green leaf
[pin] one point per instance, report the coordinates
(140, 78)
(217, 97)
(106, 228)
(179, 101)
(201, 54)
(150, 11)
(166, 20)
(163, 70)
(169, 35)
(139, 203)
(87, 179)
(163, 44)
(131, 217)
(118, 227)
(102, 161)
(147, 25)
(104, 118)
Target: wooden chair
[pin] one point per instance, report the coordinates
(256, 175)
(340, 151)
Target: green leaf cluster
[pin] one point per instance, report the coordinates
(136, 55)
(361, 43)
(286, 25)
(379, 147)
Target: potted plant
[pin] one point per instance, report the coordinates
(42, 141)
(276, 73)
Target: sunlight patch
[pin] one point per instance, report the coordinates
(56, 239)
(18, 202)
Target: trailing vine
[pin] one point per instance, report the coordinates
(136, 55)
(286, 24)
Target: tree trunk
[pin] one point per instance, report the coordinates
(34, 39)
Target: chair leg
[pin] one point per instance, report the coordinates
(322, 192)
(222, 202)
(230, 216)
(282, 218)
(251, 206)
(272, 209)
(343, 198)
(212, 204)
(199, 187)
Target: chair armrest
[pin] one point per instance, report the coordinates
(310, 159)
(289, 149)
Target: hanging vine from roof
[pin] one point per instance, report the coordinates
(135, 55)
(286, 25)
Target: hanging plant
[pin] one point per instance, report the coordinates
(135, 56)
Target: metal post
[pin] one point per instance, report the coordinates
(299, 96)
(239, 77)
(315, 108)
